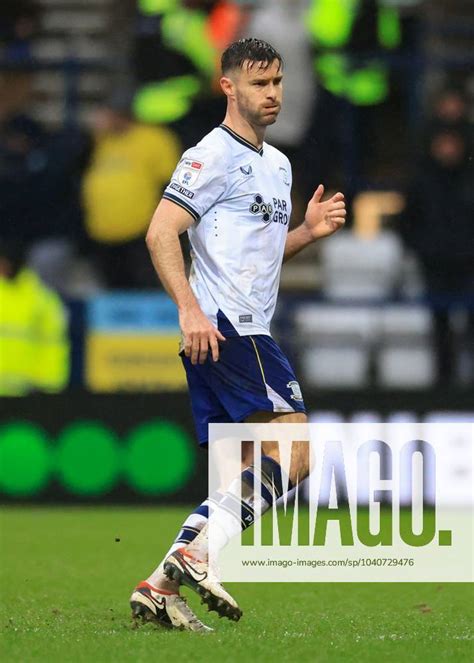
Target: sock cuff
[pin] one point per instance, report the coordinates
(202, 510)
(271, 479)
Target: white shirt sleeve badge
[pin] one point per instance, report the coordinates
(189, 171)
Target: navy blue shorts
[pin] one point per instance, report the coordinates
(252, 375)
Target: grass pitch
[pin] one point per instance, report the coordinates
(66, 580)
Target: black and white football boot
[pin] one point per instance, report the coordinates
(164, 609)
(184, 569)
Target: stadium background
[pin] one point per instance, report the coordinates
(378, 321)
(98, 463)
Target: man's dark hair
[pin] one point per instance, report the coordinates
(14, 252)
(251, 51)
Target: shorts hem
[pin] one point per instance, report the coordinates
(247, 413)
(267, 409)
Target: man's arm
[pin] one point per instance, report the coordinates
(321, 220)
(162, 239)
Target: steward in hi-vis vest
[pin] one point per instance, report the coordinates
(175, 60)
(347, 36)
(33, 332)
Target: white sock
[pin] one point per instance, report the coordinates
(233, 514)
(190, 529)
(248, 496)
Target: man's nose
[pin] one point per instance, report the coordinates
(271, 92)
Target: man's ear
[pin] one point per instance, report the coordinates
(227, 86)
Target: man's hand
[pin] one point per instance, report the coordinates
(324, 219)
(199, 335)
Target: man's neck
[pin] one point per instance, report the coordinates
(252, 134)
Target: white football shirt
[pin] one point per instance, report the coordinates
(240, 199)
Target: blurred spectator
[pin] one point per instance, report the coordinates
(450, 110)
(439, 227)
(34, 352)
(280, 22)
(226, 22)
(39, 192)
(174, 60)
(450, 106)
(350, 40)
(130, 166)
(18, 25)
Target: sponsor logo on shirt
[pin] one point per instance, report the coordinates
(277, 211)
(260, 207)
(246, 170)
(180, 189)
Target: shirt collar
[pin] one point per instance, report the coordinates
(241, 140)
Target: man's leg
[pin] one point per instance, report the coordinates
(157, 598)
(300, 463)
(252, 375)
(191, 527)
(187, 533)
(158, 587)
(236, 511)
(229, 525)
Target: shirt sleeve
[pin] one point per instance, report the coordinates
(199, 180)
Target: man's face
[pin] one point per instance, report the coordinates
(258, 92)
(448, 149)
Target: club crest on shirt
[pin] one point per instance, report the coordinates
(188, 172)
(296, 390)
(284, 175)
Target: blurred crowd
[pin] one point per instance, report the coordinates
(75, 202)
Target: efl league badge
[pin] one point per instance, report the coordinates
(189, 172)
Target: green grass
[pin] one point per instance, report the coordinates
(65, 584)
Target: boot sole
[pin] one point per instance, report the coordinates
(214, 603)
(140, 613)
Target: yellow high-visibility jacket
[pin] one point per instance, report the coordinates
(34, 347)
(187, 32)
(330, 24)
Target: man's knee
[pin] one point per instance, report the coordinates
(300, 450)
